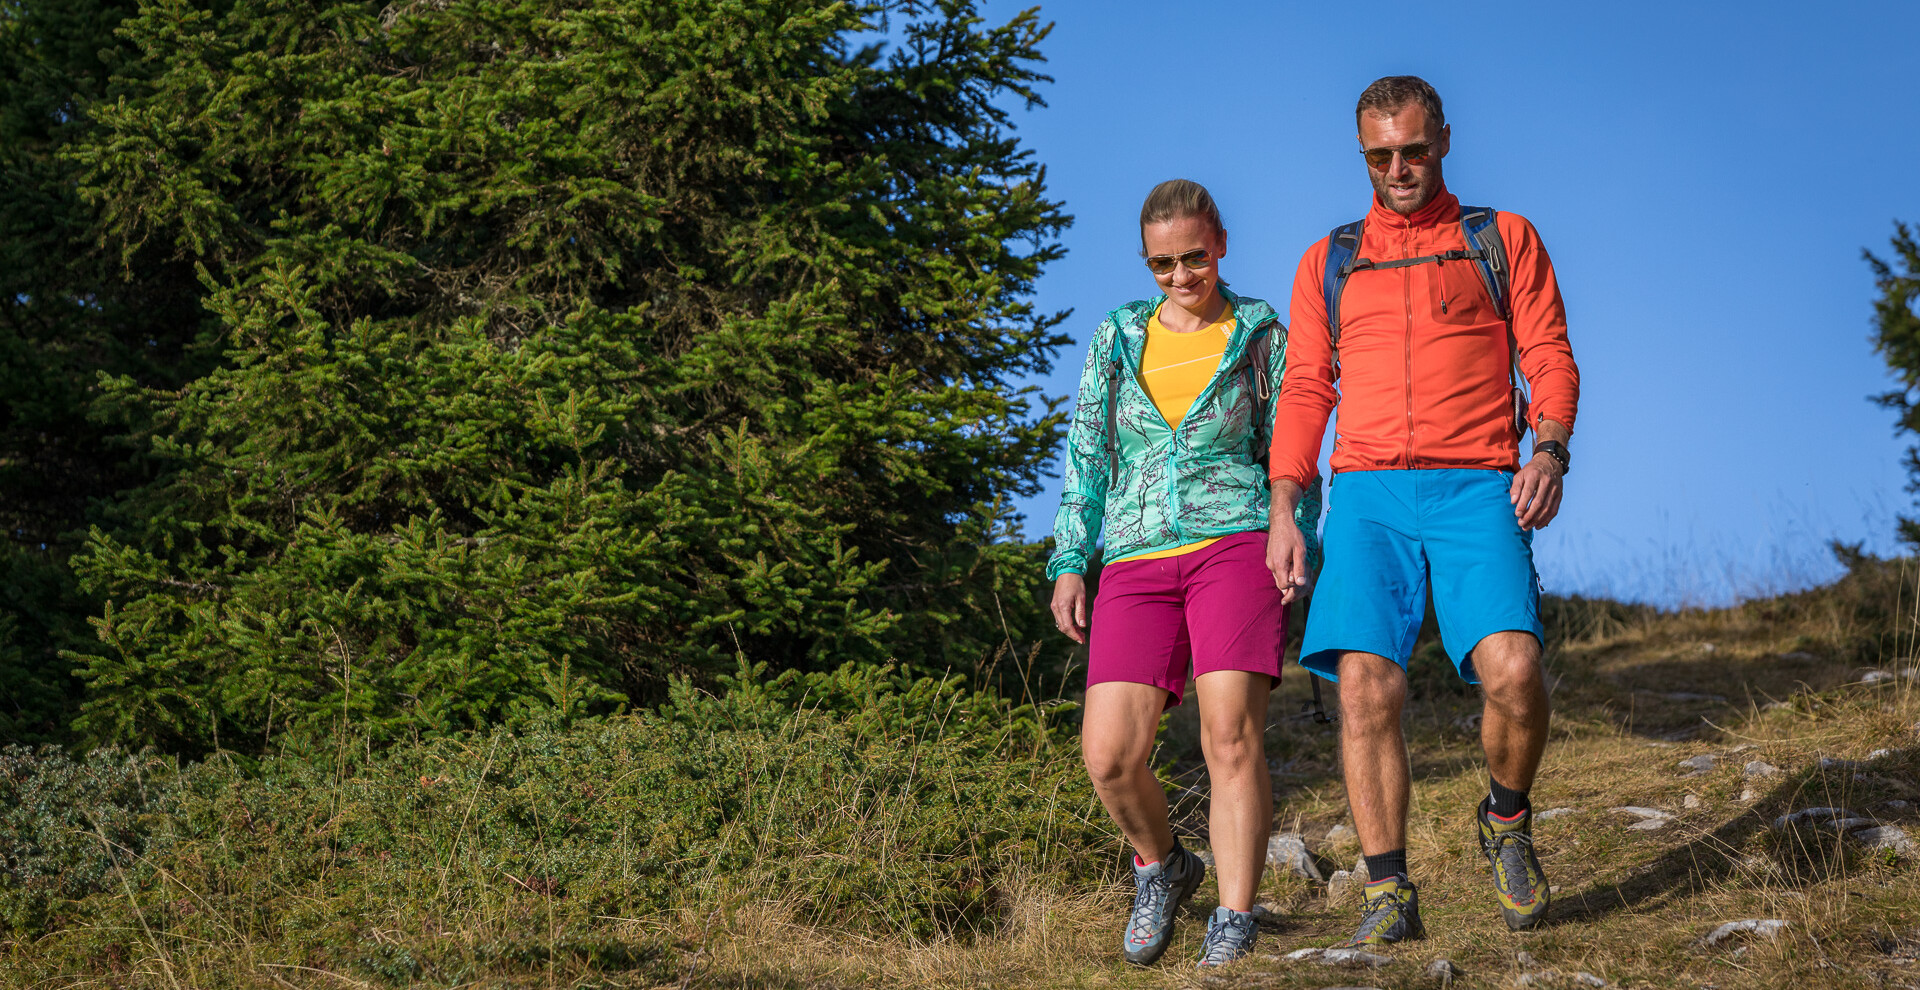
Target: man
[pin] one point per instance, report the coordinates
(1429, 485)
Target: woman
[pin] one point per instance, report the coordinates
(1167, 453)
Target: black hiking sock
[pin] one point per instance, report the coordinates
(1505, 802)
(1387, 864)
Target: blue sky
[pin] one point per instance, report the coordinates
(1704, 176)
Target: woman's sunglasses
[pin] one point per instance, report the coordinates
(1413, 154)
(1161, 264)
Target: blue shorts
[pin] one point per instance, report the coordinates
(1387, 533)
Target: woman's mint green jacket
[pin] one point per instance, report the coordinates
(1173, 487)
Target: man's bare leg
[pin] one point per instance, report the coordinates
(1513, 726)
(1373, 749)
(1513, 729)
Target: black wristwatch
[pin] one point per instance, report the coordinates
(1556, 450)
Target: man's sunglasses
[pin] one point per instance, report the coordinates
(1161, 264)
(1413, 154)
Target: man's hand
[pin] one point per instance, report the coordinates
(1070, 606)
(1536, 487)
(1536, 492)
(1286, 546)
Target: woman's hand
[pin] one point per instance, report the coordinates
(1070, 606)
(1286, 546)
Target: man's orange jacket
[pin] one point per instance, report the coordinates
(1423, 353)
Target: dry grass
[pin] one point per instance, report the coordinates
(1635, 692)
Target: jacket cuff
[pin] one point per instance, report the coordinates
(1066, 565)
(1304, 483)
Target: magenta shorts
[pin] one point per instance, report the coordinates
(1216, 609)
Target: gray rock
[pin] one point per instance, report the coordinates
(1690, 801)
(1339, 884)
(1885, 837)
(1812, 815)
(1877, 676)
(1443, 970)
(1340, 833)
(1525, 959)
(1878, 753)
(1896, 806)
(1645, 814)
(1765, 928)
(1832, 763)
(1339, 957)
(1800, 655)
(1588, 980)
(1649, 824)
(1288, 851)
(1204, 855)
(1554, 978)
(1265, 914)
(1554, 813)
(1697, 765)
(1749, 794)
(1760, 768)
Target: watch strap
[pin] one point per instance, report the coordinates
(1556, 450)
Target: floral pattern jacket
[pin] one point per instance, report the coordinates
(1172, 486)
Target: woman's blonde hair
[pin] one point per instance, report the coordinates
(1175, 199)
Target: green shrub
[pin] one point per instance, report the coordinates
(857, 799)
(59, 816)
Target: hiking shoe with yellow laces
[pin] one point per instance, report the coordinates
(1517, 876)
(1390, 914)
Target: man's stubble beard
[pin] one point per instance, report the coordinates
(1380, 189)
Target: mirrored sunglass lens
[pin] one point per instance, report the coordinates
(1195, 259)
(1412, 154)
(1160, 265)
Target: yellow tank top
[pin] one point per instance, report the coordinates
(1174, 370)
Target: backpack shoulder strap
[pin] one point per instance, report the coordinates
(1257, 360)
(1482, 230)
(1114, 369)
(1256, 357)
(1343, 249)
(1483, 236)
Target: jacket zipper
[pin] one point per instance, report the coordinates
(1406, 295)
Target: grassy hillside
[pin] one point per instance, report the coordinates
(869, 831)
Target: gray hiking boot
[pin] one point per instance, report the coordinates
(1158, 891)
(1391, 914)
(1230, 936)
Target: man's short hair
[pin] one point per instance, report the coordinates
(1390, 94)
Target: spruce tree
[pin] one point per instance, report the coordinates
(566, 345)
(1897, 337)
(69, 311)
